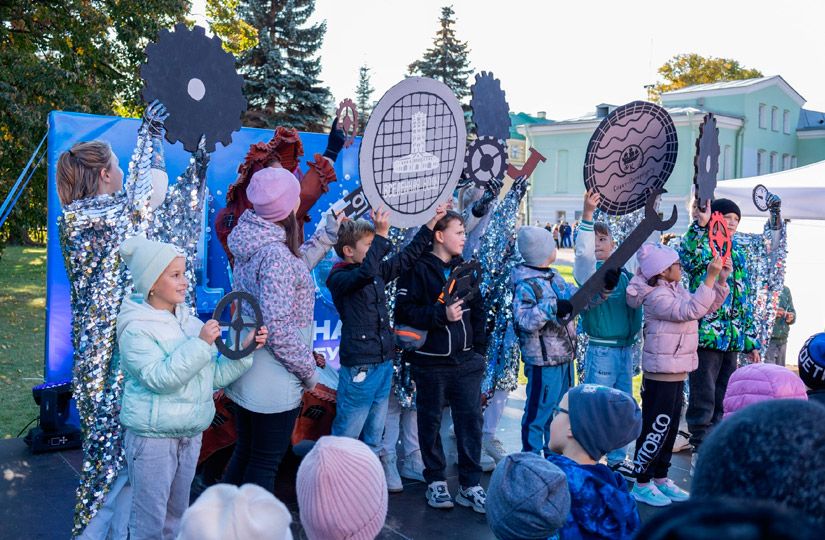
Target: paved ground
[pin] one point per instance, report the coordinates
(37, 493)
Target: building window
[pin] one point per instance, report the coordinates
(727, 162)
(763, 116)
(786, 122)
(561, 171)
(760, 162)
(793, 162)
(774, 118)
(773, 162)
(786, 162)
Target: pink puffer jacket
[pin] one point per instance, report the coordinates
(671, 327)
(760, 382)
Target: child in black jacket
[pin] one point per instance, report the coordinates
(367, 343)
(448, 367)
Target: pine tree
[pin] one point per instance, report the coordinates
(363, 92)
(282, 71)
(447, 60)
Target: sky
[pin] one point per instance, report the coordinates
(564, 58)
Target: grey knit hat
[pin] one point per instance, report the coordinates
(535, 244)
(603, 418)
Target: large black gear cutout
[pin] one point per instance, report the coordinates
(485, 160)
(196, 80)
(491, 114)
(706, 160)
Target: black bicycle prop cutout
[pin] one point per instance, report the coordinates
(236, 324)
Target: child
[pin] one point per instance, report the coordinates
(612, 327)
(449, 365)
(785, 316)
(528, 497)
(341, 490)
(812, 367)
(541, 298)
(367, 341)
(760, 382)
(590, 421)
(669, 354)
(169, 361)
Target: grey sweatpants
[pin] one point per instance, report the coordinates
(776, 353)
(161, 472)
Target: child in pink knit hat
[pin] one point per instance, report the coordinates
(761, 382)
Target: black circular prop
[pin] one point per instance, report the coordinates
(631, 153)
(486, 160)
(237, 324)
(491, 113)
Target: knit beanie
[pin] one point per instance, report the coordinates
(759, 382)
(725, 206)
(342, 492)
(535, 244)
(273, 192)
(527, 498)
(146, 260)
(603, 418)
(655, 258)
(227, 512)
(812, 362)
(769, 451)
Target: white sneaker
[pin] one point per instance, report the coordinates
(473, 497)
(488, 464)
(671, 490)
(438, 496)
(390, 464)
(413, 467)
(493, 448)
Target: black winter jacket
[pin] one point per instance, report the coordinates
(416, 305)
(358, 294)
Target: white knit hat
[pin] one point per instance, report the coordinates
(535, 244)
(146, 260)
(226, 512)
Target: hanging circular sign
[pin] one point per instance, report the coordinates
(631, 153)
(412, 150)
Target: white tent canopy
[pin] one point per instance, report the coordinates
(802, 191)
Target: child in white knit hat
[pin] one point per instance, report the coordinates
(169, 361)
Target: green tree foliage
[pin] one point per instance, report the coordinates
(689, 69)
(237, 35)
(363, 94)
(448, 59)
(282, 71)
(76, 55)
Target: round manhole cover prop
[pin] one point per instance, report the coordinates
(412, 150)
(631, 154)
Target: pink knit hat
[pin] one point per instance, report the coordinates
(342, 492)
(273, 192)
(761, 382)
(655, 259)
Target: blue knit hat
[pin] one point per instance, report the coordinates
(603, 418)
(812, 362)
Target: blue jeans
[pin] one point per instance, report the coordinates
(362, 398)
(611, 367)
(545, 388)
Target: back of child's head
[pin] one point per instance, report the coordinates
(601, 229)
(760, 382)
(769, 451)
(350, 232)
(78, 170)
(654, 259)
(603, 418)
(446, 219)
(527, 498)
(146, 261)
(536, 245)
(812, 362)
(342, 491)
(227, 512)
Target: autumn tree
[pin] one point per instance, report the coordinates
(238, 35)
(690, 69)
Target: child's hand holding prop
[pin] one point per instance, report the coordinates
(237, 300)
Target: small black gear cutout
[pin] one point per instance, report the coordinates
(491, 113)
(485, 160)
(706, 160)
(196, 80)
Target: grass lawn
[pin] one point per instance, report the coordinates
(22, 334)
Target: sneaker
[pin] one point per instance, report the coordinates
(625, 468)
(693, 459)
(413, 467)
(493, 448)
(671, 490)
(650, 495)
(438, 496)
(682, 442)
(390, 464)
(488, 464)
(473, 497)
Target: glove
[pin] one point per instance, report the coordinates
(335, 141)
(154, 116)
(491, 191)
(611, 278)
(563, 309)
(331, 226)
(774, 202)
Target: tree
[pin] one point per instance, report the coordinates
(448, 59)
(237, 35)
(281, 72)
(363, 92)
(689, 69)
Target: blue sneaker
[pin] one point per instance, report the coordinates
(672, 491)
(650, 495)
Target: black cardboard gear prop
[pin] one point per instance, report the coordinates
(347, 116)
(236, 325)
(354, 204)
(706, 160)
(631, 153)
(486, 160)
(412, 150)
(491, 113)
(196, 80)
(595, 285)
(719, 236)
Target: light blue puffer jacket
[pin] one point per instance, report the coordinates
(169, 372)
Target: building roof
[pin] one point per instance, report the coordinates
(673, 111)
(733, 87)
(810, 120)
(519, 119)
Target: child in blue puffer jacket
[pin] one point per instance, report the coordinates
(170, 367)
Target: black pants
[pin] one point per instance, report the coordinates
(661, 409)
(460, 388)
(708, 385)
(263, 440)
